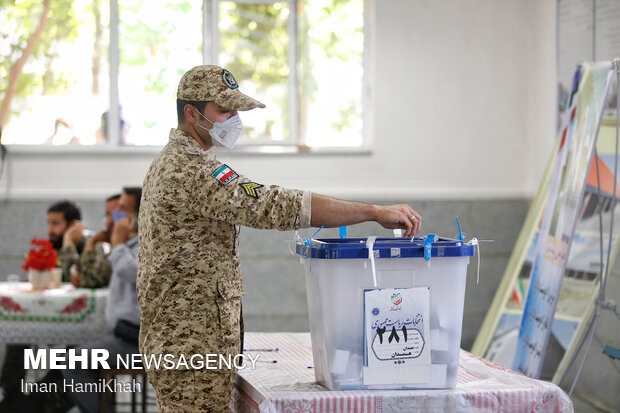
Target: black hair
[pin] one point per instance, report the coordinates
(136, 192)
(113, 197)
(181, 105)
(69, 209)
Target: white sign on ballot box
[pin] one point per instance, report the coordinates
(396, 342)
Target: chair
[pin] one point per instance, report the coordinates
(136, 374)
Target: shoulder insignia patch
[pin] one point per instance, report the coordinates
(224, 174)
(251, 188)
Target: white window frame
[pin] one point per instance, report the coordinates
(209, 51)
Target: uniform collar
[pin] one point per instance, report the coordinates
(188, 143)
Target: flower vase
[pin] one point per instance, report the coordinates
(40, 280)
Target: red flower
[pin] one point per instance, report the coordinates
(41, 259)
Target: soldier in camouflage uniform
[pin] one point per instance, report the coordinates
(87, 254)
(92, 269)
(189, 284)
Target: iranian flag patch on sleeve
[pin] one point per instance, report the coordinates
(224, 174)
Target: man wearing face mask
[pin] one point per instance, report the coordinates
(122, 312)
(189, 283)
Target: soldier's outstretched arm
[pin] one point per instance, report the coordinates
(332, 212)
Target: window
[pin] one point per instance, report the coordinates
(302, 58)
(54, 76)
(155, 49)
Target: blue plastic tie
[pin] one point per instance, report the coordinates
(428, 244)
(343, 231)
(308, 242)
(461, 235)
(612, 352)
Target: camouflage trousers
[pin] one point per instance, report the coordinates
(195, 390)
(189, 391)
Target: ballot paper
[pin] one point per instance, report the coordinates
(396, 327)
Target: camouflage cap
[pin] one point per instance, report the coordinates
(214, 84)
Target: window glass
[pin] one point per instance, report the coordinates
(254, 46)
(57, 91)
(54, 76)
(158, 41)
(254, 43)
(330, 48)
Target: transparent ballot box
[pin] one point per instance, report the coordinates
(391, 319)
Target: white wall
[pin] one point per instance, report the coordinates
(464, 104)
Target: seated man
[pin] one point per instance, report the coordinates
(92, 269)
(61, 216)
(66, 232)
(122, 312)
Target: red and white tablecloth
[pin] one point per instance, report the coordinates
(289, 386)
(65, 315)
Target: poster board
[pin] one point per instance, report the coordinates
(497, 339)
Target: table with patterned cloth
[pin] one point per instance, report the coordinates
(65, 315)
(289, 386)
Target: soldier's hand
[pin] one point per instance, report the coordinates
(400, 216)
(73, 235)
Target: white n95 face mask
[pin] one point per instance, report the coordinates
(224, 134)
